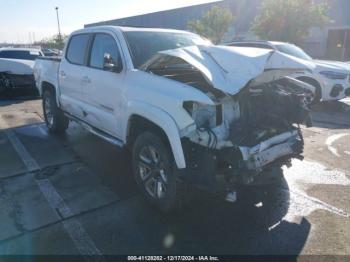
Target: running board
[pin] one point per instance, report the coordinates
(97, 132)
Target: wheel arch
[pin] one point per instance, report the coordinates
(143, 117)
(48, 86)
(312, 81)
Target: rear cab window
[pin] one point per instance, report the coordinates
(77, 49)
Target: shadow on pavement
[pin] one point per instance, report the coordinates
(207, 225)
(107, 161)
(331, 115)
(331, 107)
(253, 226)
(17, 96)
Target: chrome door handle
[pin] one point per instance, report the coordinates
(86, 80)
(63, 74)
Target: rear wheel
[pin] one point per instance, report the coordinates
(155, 172)
(55, 120)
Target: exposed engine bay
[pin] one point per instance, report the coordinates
(244, 133)
(254, 115)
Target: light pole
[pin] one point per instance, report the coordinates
(58, 23)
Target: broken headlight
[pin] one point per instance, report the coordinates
(204, 115)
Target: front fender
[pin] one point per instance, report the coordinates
(162, 120)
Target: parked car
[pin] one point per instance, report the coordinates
(16, 68)
(50, 52)
(189, 111)
(330, 78)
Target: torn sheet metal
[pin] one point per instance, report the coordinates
(230, 69)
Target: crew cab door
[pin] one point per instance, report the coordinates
(70, 74)
(103, 83)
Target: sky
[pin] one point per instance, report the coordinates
(22, 21)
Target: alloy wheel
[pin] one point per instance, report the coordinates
(152, 172)
(48, 110)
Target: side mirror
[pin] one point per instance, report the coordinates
(109, 64)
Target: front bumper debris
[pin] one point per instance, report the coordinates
(223, 169)
(259, 156)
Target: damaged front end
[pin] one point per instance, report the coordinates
(249, 127)
(241, 135)
(9, 81)
(16, 73)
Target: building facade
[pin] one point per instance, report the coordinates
(331, 42)
(179, 18)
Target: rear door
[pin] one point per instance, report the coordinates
(103, 84)
(71, 72)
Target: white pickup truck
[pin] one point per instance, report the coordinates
(190, 112)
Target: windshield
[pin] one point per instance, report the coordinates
(23, 55)
(144, 45)
(293, 51)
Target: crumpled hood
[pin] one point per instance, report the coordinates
(230, 69)
(333, 65)
(16, 66)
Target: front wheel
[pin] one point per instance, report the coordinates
(55, 120)
(155, 172)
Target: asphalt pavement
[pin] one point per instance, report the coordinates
(74, 194)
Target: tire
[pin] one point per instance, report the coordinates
(55, 120)
(316, 85)
(318, 96)
(155, 172)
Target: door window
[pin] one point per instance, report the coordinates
(104, 49)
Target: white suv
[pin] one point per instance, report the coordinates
(330, 78)
(189, 111)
